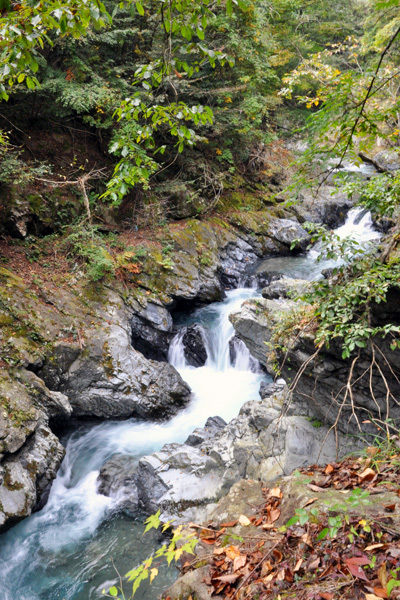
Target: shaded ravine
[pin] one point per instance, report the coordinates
(65, 550)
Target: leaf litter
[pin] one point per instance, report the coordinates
(357, 558)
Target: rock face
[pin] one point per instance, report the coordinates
(29, 453)
(324, 381)
(253, 323)
(151, 329)
(284, 288)
(194, 346)
(259, 444)
(111, 379)
(328, 206)
(387, 160)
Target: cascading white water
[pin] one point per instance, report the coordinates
(65, 550)
(358, 226)
(56, 552)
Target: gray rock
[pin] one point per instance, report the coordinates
(194, 346)
(26, 475)
(326, 205)
(151, 331)
(117, 480)
(387, 160)
(285, 287)
(111, 379)
(253, 324)
(261, 443)
(236, 259)
(286, 231)
(200, 435)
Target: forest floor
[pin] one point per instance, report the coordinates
(342, 540)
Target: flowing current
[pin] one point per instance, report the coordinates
(67, 550)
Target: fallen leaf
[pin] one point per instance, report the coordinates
(232, 552)
(239, 562)
(218, 551)
(229, 524)
(314, 564)
(243, 520)
(382, 575)
(298, 565)
(380, 592)
(395, 552)
(329, 469)
(309, 502)
(371, 597)
(315, 488)
(266, 568)
(326, 595)
(354, 566)
(373, 547)
(390, 508)
(209, 541)
(276, 493)
(368, 475)
(268, 526)
(306, 538)
(278, 555)
(281, 575)
(228, 578)
(274, 515)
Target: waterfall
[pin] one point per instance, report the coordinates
(65, 550)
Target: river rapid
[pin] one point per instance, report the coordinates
(74, 546)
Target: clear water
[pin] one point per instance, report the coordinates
(66, 551)
(358, 226)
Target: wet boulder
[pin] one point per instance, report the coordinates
(285, 287)
(194, 344)
(151, 331)
(117, 480)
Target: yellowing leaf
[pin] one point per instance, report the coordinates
(153, 574)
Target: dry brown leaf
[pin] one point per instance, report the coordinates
(314, 564)
(326, 595)
(306, 538)
(373, 547)
(367, 475)
(298, 565)
(281, 575)
(315, 488)
(232, 552)
(382, 575)
(371, 597)
(309, 502)
(276, 493)
(372, 450)
(239, 562)
(329, 469)
(243, 520)
(230, 524)
(380, 592)
(390, 508)
(274, 515)
(219, 551)
(269, 578)
(266, 568)
(268, 526)
(228, 578)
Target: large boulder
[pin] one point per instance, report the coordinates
(111, 379)
(194, 345)
(285, 288)
(151, 330)
(253, 324)
(266, 440)
(387, 160)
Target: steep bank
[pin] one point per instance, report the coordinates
(81, 343)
